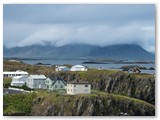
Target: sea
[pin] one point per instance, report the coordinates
(80, 62)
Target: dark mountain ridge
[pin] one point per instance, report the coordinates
(76, 51)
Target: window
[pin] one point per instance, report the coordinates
(61, 86)
(86, 90)
(58, 81)
(86, 85)
(55, 86)
(74, 85)
(68, 89)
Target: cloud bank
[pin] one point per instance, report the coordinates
(59, 25)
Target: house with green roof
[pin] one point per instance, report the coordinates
(55, 83)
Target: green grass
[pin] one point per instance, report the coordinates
(21, 103)
(54, 96)
(143, 75)
(18, 103)
(121, 97)
(93, 75)
(7, 82)
(31, 69)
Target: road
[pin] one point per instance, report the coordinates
(8, 91)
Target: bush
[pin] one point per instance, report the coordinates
(6, 85)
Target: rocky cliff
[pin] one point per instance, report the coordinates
(116, 95)
(141, 86)
(98, 104)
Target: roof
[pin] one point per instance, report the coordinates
(78, 82)
(14, 81)
(18, 77)
(15, 72)
(55, 78)
(62, 67)
(79, 66)
(38, 76)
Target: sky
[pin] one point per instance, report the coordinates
(94, 24)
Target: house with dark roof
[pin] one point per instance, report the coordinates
(55, 83)
(78, 87)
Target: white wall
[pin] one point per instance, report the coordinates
(30, 82)
(38, 83)
(61, 69)
(73, 89)
(24, 79)
(17, 84)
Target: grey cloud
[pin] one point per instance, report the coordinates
(101, 35)
(78, 13)
(91, 24)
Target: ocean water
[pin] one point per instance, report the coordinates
(102, 66)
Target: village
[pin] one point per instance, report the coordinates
(65, 86)
(51, 83)
(33, 82)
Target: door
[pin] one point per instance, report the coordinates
(40, 86)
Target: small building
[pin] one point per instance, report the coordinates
(61, 68)
(55, 83)
(36, 82)
(78, 87)
(12, 60)
(78, 68)
(15, 73)
(135, 70)
(19, 81)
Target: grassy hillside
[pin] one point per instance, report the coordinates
(97, 103)
(92, 74)
(18, 103)
(141, 86)
(31, 69)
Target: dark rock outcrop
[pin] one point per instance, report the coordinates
(93, 105)
(132, 85)
(141, 88)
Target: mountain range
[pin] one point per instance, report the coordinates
(77, 51)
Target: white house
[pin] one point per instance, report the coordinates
(61, 68)
(78, 68)
(77, 87)
(18, 81)
(15, 73)
(36, 82)
(55, 83)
